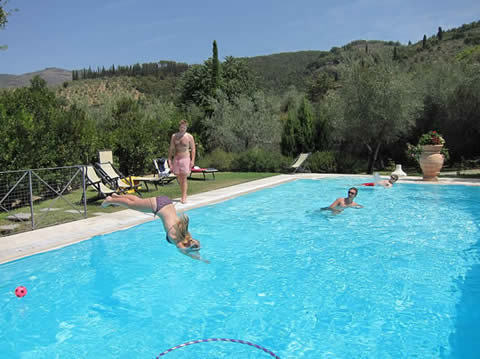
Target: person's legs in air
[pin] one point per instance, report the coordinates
(130, 201)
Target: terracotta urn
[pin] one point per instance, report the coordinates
(431, 162)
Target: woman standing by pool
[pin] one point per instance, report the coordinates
(176, 228)
(182, 152)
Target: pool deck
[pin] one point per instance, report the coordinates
(41, 240)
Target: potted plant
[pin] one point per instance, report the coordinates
(430, 153)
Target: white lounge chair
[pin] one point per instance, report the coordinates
(298, 164)
(115, 178)
(163, 171)
(92, 179)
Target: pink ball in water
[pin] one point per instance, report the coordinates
(20, 291)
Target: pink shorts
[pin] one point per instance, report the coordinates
(181, 165)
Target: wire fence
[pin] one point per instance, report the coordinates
(37, 198)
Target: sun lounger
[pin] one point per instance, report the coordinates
(299, 164)
(146, 180)
(92, 179)
(115, 178)
(204, 171)
(163, 171)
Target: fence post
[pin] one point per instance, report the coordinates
(31, 197)
(84, 169)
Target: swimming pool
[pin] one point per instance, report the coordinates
(399, 278)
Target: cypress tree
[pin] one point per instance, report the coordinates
(290, 132)
(424, 43)
(305, 142)
(215, 69)
(395, 56)
(440, 33)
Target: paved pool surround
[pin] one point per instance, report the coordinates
(45, 239)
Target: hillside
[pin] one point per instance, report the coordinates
(279, 71)
(273, 73)
(95, 92)
(54, 76)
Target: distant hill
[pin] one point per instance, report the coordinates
(54, 76)
(274, 73)
(279, 71)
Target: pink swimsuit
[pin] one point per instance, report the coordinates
(181, 165)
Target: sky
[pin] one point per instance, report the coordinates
(77, 34)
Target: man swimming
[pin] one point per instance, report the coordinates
(341, 203)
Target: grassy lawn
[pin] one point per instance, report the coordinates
(53, 211)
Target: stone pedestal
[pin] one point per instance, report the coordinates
(398, 171)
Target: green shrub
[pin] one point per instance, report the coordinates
(323, 162)
(390, 165)
(472, 40)
(258, 160)
(218, 159)
(346, 163)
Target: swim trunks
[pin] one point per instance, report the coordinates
(181, 165)
(371, 184)
(162, 201)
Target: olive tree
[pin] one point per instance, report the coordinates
(450, 93)
(4, 15)
(375, 105)
(243, 123)
(37, 130)
(201, 82)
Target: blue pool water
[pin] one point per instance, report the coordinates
(399, 278)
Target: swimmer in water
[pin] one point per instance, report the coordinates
(341, 203)
(379, 182)
(388, 183)
(176, 228)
